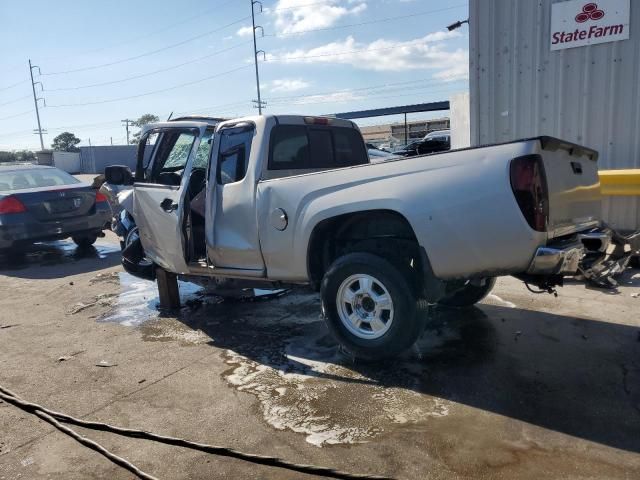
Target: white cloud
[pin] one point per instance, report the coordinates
(245, 31)
(293, 16)
(336, 97)
(287, 85)
(428, 52)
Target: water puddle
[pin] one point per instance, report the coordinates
(307, 386)
(492, 299)
(281, 352)
(137, 302)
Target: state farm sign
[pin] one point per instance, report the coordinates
(577, 23)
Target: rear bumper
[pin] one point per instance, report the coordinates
(584, 252)
(560, 260)
(15, 230)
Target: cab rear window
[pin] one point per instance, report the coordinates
(299, 147)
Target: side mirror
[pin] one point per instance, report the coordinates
(118, 175)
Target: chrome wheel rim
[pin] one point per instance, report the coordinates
(365, 306)
(131, 237)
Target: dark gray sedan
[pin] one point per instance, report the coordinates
(39, 203)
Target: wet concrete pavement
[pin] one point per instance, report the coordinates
(524, 386)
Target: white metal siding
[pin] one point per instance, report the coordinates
(67, 161)
(588, 95)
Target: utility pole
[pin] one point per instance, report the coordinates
(259, 103)
(35, 101)
(127, 122)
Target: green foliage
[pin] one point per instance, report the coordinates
(18, 156)
(141, 122)
(66, 142)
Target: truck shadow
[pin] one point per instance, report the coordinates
(577, 376)
(58, 259)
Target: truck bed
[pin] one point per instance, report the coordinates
(459, 203)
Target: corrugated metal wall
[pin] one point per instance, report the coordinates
(95, 159)
(588, 95)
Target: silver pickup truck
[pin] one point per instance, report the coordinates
(281, 200)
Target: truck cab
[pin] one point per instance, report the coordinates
(195, 190)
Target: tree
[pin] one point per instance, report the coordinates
(66, 142)
(141, 122)
(17, 156)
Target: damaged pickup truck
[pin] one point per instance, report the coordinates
(277, 200)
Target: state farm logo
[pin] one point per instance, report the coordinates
(589, 12)
(577, 23)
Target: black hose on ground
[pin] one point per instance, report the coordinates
(41, 413)
(51, 416)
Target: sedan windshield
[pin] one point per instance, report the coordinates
(34, 178)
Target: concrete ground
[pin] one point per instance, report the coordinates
(524, 386)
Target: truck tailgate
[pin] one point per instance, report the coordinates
(574, 187)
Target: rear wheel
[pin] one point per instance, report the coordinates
(85, 240)
(369, 306)
(469, 295)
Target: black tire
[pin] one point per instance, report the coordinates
(469, 295)
(406, 325)
(85, 240)
(134, 262)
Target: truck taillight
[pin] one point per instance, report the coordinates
(529, 185)
(11, 205)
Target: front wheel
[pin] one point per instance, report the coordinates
(369, 307)
(469, 295)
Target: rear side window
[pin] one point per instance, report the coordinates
(297, 147)
(235, 148)
(36, 178)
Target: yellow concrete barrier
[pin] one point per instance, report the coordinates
(620, 182)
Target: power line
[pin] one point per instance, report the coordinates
(173, 67)
(12, 86)
(14, 100)
(428, 81)
(335, 54)
(98, 102)
(152, 33)
(269, 10)
(152, 52)
(374, 95)
(369, 22)
(17, 114)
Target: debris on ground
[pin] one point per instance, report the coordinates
(102, 300)
(64, 358)
(635, 295)
(517, 334)
(3, 327)
(106, 364)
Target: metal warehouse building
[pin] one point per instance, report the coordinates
(569, 69)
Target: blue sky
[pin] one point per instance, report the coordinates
(105, 61)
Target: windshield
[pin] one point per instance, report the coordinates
(35, 178)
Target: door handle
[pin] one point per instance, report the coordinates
(168, 206)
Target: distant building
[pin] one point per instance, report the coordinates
(395, 132)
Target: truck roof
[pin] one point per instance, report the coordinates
(195, 121)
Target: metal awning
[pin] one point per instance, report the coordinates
(400, 110)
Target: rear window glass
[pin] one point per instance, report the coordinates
(297, 147)
(36, 178)
(290, 148)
